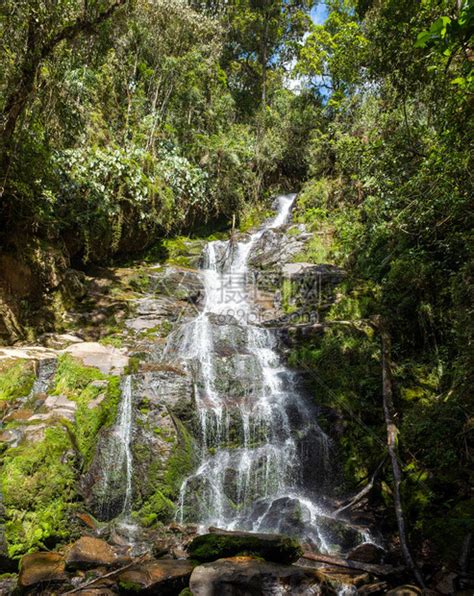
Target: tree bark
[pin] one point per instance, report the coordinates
(392, 445)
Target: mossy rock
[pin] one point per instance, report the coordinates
(16, 379)
(218, 545)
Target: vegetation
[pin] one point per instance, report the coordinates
(135, 124)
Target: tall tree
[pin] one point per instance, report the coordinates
(47, 25)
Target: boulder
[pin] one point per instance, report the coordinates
(245, 575)
(40, 568)
(164, 577)
(90, 552)
(404, 591)
(221, 544)
(366, 553)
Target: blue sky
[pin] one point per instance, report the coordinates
(319, 13)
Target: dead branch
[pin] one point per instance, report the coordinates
(360, 495)
(379, 570)
(109, 574)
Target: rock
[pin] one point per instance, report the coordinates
(164, 577)
(179, 283)
(284, 515)
(220, 544)
(274, 248)
(108, 359)
(244, 575)
(404, 591)
(41, 568)
(367, 553)
(90, 552)
(88, 520)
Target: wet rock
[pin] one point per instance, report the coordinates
(41, 568)
(275, 247)
(285, 516)
(367, 553)
(89, 552)
(243, 575)
(164, 577)
(238, 375)
(103, 487)
(221, 543)
(374, 589)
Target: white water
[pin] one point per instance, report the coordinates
(118, 475)
(250, 475)
(124, 433)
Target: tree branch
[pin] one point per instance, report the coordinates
(360, 495)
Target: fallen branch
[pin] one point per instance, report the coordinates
(109, 574)
(360, 495)
(380, 570)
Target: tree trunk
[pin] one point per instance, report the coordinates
(264, 60)
(392, 436)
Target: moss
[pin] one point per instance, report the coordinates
(72, 376)
(157, 508)
(76, 382)
(16, 379)
(164, 479)
(209, 547)
(37, 482)
(112, 340)
(130, 586)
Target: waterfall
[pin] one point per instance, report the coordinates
(253, 420)
(124, 432)
(117, 476)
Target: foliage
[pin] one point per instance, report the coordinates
(16, 379)
(390, 195)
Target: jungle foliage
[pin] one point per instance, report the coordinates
(125, 122)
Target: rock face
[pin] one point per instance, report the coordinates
(272, 547)
(89, 552)
(165, 577)
(41, 568)
(275, 247)
(237, 576)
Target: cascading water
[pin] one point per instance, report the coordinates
(255, 426)
(117, 478)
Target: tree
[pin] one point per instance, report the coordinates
(47, 26)
(264, 35)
